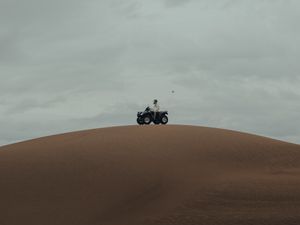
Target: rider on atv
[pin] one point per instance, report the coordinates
(152, 115)
(155, 108)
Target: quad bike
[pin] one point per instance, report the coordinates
(147, 117)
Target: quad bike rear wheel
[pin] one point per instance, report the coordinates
(164, 120)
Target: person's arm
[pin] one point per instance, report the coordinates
(156, 108)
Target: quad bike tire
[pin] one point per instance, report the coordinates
(147, 120)
(140, 121)
(164, 120)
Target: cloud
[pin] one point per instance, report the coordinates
(174, 3)
(84, 64)
(33, 104)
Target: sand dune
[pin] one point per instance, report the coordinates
(150, 175)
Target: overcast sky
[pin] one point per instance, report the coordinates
(69, 65)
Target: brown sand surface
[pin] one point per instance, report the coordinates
(150, 175)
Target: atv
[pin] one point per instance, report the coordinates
(147, 117)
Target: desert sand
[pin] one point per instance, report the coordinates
(150, 175)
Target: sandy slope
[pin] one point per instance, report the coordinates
(150, 175)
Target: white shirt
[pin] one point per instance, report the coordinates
(155, 108)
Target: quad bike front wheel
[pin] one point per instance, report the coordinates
(140, 121)
(147, 120)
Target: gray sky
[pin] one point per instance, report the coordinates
(69, 65)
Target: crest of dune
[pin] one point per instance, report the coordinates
(150, 175)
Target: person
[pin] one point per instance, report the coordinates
(155, 108)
